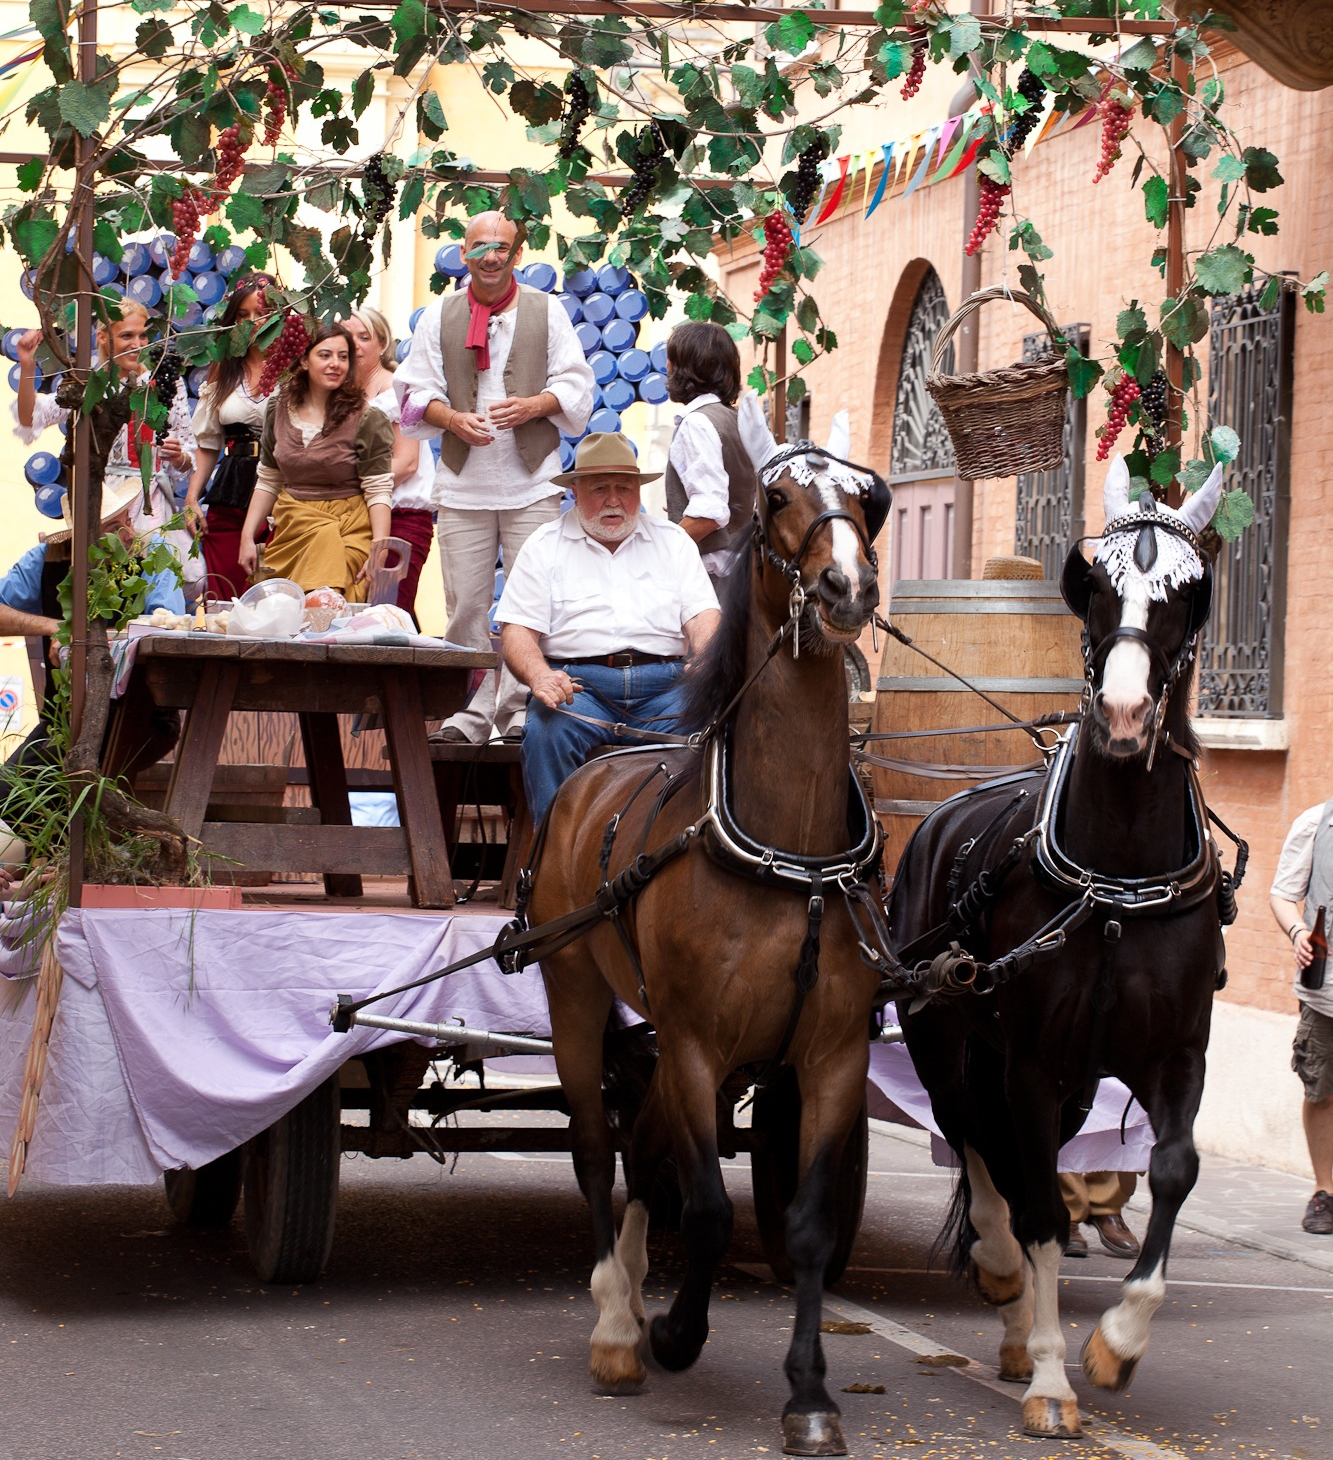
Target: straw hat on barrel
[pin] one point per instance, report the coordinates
(118, 493)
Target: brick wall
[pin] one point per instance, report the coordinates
(1102, 246)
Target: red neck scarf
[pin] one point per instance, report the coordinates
(137, 434)
(478, 330)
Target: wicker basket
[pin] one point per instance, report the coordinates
(1002, 422)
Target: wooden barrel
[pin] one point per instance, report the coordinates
(1015, 640)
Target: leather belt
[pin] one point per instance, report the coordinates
(241, 448)
(623, 659)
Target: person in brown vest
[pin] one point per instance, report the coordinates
(497, 373)
(325, 472)
(710, 479)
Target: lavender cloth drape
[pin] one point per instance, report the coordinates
(179, 1036)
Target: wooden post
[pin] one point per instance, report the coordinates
(85, 512)
(780, 387)
(1175, 273)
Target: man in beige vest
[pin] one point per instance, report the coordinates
(497, 373)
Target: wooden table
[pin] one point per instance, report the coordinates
(209, 677)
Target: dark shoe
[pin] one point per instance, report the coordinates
(447, 735)
(1118, 1240)
(1318, 1216)
(1077, 1246)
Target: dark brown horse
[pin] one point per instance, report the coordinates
(716, 949)
(1099, 939)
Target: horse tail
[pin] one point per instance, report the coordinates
(957, 1234)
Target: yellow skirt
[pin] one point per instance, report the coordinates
(320, 544)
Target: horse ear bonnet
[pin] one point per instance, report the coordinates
(1076, 584)
(875, 504)
(1201, 599)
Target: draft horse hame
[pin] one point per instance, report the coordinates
(755, 849)
(1085, 906)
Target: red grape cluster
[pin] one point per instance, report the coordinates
(275, 113)
(777, 245)
(284, 352)
(186, 211)
(231, 163)
(1116, 121)
(916, 72)
(1123, 395)
(993, 195)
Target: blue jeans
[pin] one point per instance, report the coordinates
(646, 696)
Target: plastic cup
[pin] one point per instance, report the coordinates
(145, 289)
(588, 336)
(210, 287)
(539, 276)
(161, 248)
(572, 307)
(402, 350)
(49, 500)
(619, 394)
(414, 319)
(632, 304)
(134, 259)
(658, 355)
(201, 259)
(449, 260)
(229, 260)
(104, 271)
(604, 420)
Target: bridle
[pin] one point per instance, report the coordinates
(790, 568)
(1171, 669)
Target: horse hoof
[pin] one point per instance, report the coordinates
(813, 1434)
(1015, 1365)
(995, 1288)
(1103, 1366)
(672, 1356)
(616, 1369)
(1052, 1419)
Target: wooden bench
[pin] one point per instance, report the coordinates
(485, 775)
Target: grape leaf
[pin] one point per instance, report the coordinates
(1155, 204)
(1223, 270)
(1224, 444)
(1083, 373)
(1229, 168)
(1235, 512)
(1261, 172)
(85, 106)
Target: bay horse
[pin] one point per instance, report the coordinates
(1083, 909)
(748, 830)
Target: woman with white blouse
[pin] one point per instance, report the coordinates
(413, 517)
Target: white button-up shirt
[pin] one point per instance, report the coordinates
(584, 600)
(1291, 881)
(696, 454)
(493, 477)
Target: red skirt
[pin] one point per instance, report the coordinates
(416, 527)
(222, 551)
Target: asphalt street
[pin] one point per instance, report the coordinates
(453, 1324)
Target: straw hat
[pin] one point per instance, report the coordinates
(117, 494)
(604, 453)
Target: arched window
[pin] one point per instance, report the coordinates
(921, 463)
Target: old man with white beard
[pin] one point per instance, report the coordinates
(598, 614)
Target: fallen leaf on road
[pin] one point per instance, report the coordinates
(863, 1389)
(840, 1327)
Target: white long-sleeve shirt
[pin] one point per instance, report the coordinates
(494, 477)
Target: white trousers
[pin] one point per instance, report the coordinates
(470, 542)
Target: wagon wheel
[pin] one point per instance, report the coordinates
(775, 1123)
(205, 1199)
(291, 1189)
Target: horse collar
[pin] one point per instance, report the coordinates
(1131, 896)
(730, 847)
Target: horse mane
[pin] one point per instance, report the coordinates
(714, 677)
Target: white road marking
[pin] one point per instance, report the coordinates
(1088, 1277)
(1096, 1429)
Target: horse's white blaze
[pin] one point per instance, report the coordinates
(1046, 1343)
(617, 1326)
(632, 1250)
(1125, 677)
(996, 1248)
(1125, 1327)
(845, 546)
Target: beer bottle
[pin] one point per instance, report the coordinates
(1312, 975)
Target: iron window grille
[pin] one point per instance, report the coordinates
(1049, 513)
(921, 448)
